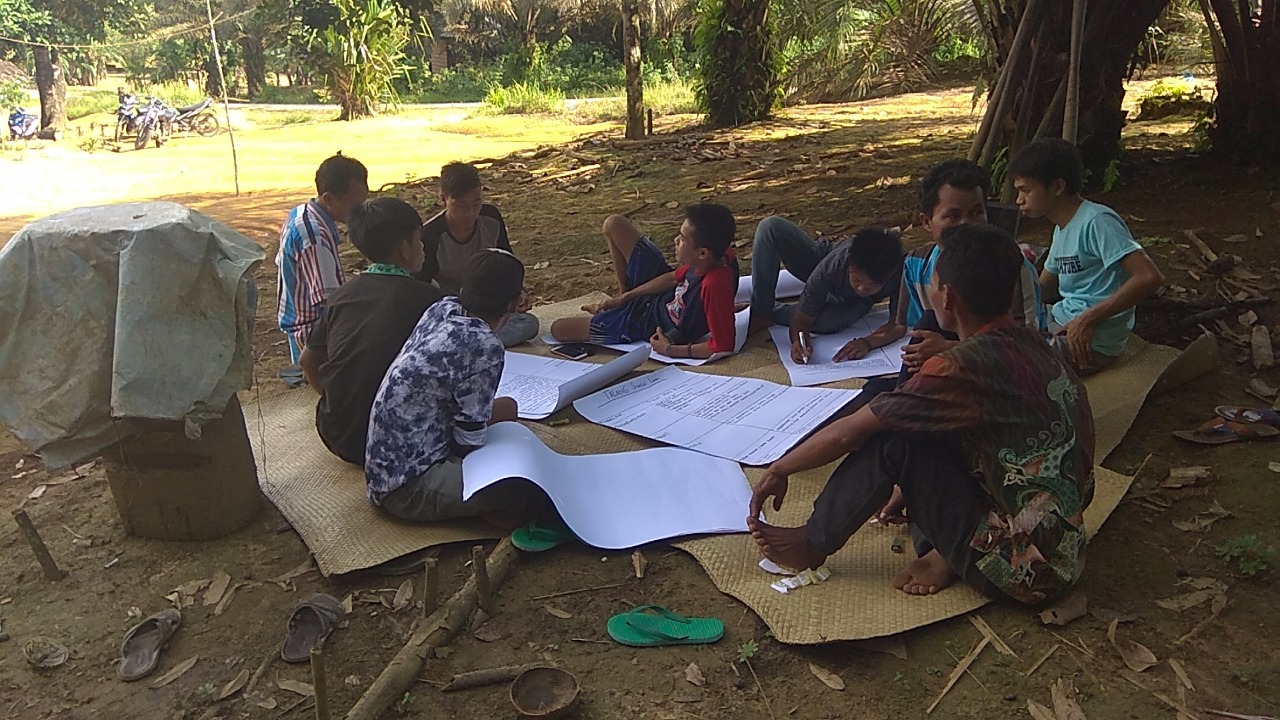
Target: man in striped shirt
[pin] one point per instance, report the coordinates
(308, 258)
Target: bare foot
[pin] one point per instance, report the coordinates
(788, 547)
(924, 575)
(757, 324)
(892, 512)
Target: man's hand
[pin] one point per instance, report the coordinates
(801, 348)
(855, 349)
(525, 303)
(660, 343)
(607, 304)
(1080, 339)
(931, 343)
(771, 485)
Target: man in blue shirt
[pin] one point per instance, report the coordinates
(1096, 268)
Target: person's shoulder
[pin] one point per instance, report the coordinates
(491, 211)
(720, 278)
(435, 225)
(923, 252)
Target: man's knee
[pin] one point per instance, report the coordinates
(619, 227)
(769, 228)
(504, 410)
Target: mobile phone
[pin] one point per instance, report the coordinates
(572, 351)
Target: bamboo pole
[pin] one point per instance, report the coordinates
(320, 682)
(1053, 113)
(1027, 106)
(1003, 98)
(226, 104)
(1071, 121)
(47, 563)
(489, 676)
(435, 632)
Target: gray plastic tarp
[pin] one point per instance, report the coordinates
(112, 315)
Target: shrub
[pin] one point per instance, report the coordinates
(523, 98)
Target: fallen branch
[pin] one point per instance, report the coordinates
(1041, 661)
(489, 676)
(47, 563)
(436, 631)
(1209, 254)
(563, 593)
(571, 173)
(960, 670)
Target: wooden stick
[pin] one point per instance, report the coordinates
(51, 569)
(1041, 661)
(986, 630)
(1003, 99)
(481, 573)
(320, 683)
(1079, 648)
(767, 705)
(1071, 120)
(960, 669)
(434, 632)
(1205, 250)
(489, 676)
(431, 587)
(571, 173)
(563, 593)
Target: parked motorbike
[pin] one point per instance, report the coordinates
(127, 115)
(23, 125)
(155, 120)
(198, 118)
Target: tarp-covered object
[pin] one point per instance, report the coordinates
(112, 315)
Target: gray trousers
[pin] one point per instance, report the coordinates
(1058, 341)
(520, 327)
(436, 495)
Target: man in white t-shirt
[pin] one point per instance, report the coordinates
(1095, 267)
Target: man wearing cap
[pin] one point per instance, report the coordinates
(437, 399)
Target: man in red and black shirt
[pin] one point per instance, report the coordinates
(672, 309)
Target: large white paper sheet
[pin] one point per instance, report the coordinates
(541, 385)
(751, 421)
(822, 369)
(789, 286)
(618, 500)
(741, 323)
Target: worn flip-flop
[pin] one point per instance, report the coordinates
(310, 623)
(140, 651)
(1255, 416)
(654, 625)
(536, 537)
(1221, 431)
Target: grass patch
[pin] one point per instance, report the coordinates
(289, 95)
(523, 99)
(671, 97)
(267, 119)
(85, 101)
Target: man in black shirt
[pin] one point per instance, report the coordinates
(365, 323)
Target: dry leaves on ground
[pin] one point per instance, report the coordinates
(1205, 520)
(1072, 607)
(176, 672)
(236, 684)
(1135, 655)
(557, 612)
(827, 677)
(694, 675)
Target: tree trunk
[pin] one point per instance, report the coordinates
(52, 86)
(212, 83)
(631, 60)
(739, 67)
(1247, 110)
(1113, 29)
(255, 63)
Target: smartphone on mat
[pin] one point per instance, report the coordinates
(572, 351)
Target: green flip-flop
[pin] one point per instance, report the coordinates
(654, 625)
(535, 537)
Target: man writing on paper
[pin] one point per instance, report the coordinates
(437, 400)
(991, 443)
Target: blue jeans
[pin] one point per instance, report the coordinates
(781, 243)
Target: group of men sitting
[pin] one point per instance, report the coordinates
(983, 443)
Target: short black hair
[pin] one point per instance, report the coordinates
(1048, 160)
(713, 227)
(876, 252)
(336, 174)
(377, 226)
(959, 174)
(458, 179)
(981, 263)
(491, 280)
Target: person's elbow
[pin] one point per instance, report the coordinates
(310, 362)
(1152, 279)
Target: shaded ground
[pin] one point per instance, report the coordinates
(827, 168)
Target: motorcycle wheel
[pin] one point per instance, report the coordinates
(144, 134)
(119, 130)
(205, 125)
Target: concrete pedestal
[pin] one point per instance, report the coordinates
(169, 487)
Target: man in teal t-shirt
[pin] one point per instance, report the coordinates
(1096, 268)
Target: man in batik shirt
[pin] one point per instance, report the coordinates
(991, 443)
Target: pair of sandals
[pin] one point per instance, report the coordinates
(1234, 424)
(310, 623)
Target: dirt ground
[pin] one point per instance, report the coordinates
(828, 168)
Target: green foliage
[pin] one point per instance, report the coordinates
(464, 84)
(289, 95)
(206, 689)
(1111, 175)
(840, 50)
(1252, 558)
(12, 94)
(675, 97)
(83, 102)
(747, 650)
(523, 99)
(362, 53)
(739, 66)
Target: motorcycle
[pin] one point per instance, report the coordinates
(23, 125)
(154, 120)
(127, 114)
(197, 118)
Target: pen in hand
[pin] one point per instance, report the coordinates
(805, 348)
